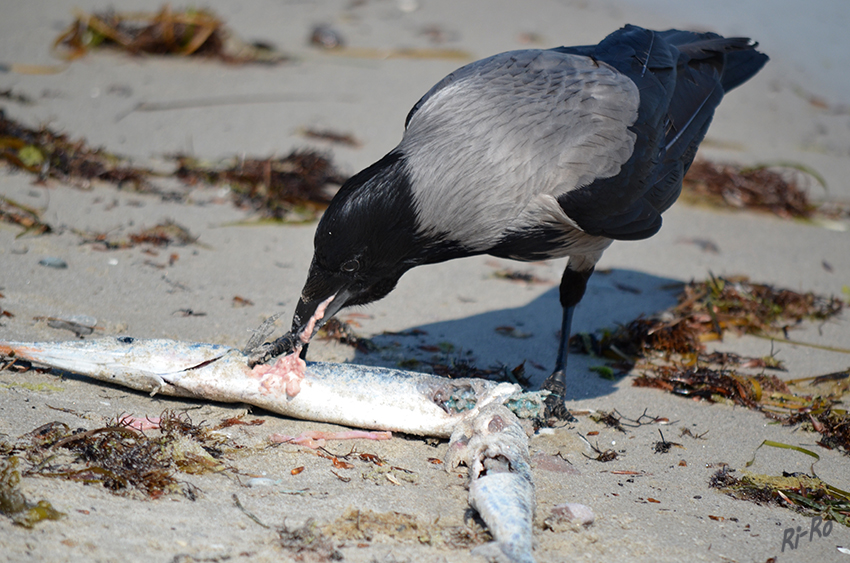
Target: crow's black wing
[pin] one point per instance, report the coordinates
(682, 77)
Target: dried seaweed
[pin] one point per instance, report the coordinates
(9, 94)
(669, 350)
(125, 460)
(292, 188)
(767, 394)
(805, 494)
(341, 331)
(602, 456)
(52, 155)
(709, 309)
(832, 424)
(761, 188)
(663, 446)
(166, 233)
(190, 32)
(17, 214)
(609, 419)
(738, 305)
(713, 385)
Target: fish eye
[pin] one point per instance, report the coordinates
(126, 339)
(350, 265)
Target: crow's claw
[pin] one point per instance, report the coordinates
(555, 406)
(286, 344)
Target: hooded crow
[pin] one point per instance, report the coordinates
(529, 155)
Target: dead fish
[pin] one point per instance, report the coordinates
(494, 446)
(351, 395)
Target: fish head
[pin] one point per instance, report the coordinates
(117, 355)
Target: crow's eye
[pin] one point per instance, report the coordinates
(350, 265)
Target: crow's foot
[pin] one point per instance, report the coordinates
(555, 407)
(261, 354)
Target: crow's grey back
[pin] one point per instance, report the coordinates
(501, 138)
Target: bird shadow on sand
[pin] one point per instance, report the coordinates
(508, 337)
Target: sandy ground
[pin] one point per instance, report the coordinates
(130, 292)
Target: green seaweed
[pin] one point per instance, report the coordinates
(14, 504)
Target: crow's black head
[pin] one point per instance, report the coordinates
(365, 241)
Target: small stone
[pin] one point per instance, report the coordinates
(53, 262)
(262, 482)
(326, 37)
(570, 514)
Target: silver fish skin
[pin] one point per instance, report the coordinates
(350, 395)
(494, 446)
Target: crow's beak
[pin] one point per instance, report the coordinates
(320, 300)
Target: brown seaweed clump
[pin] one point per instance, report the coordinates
(714, 384)
(163, 234)
(189, 32)
(52, 155)
(341, 331)
(832, 423)
(669, 351)
(706, 311)
(761, 188)
(123, 459)
(292, 188)
(816, 409)
(23, 216)
(807, 495)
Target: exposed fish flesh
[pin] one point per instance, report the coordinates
(351, 395)
(315, 439)
(494, 446)
(289, 370)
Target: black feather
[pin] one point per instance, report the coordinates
(682, 77)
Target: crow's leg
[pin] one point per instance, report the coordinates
(573, 285)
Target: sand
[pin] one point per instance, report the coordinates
(130, 291)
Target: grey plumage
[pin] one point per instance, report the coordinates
(504, 137)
